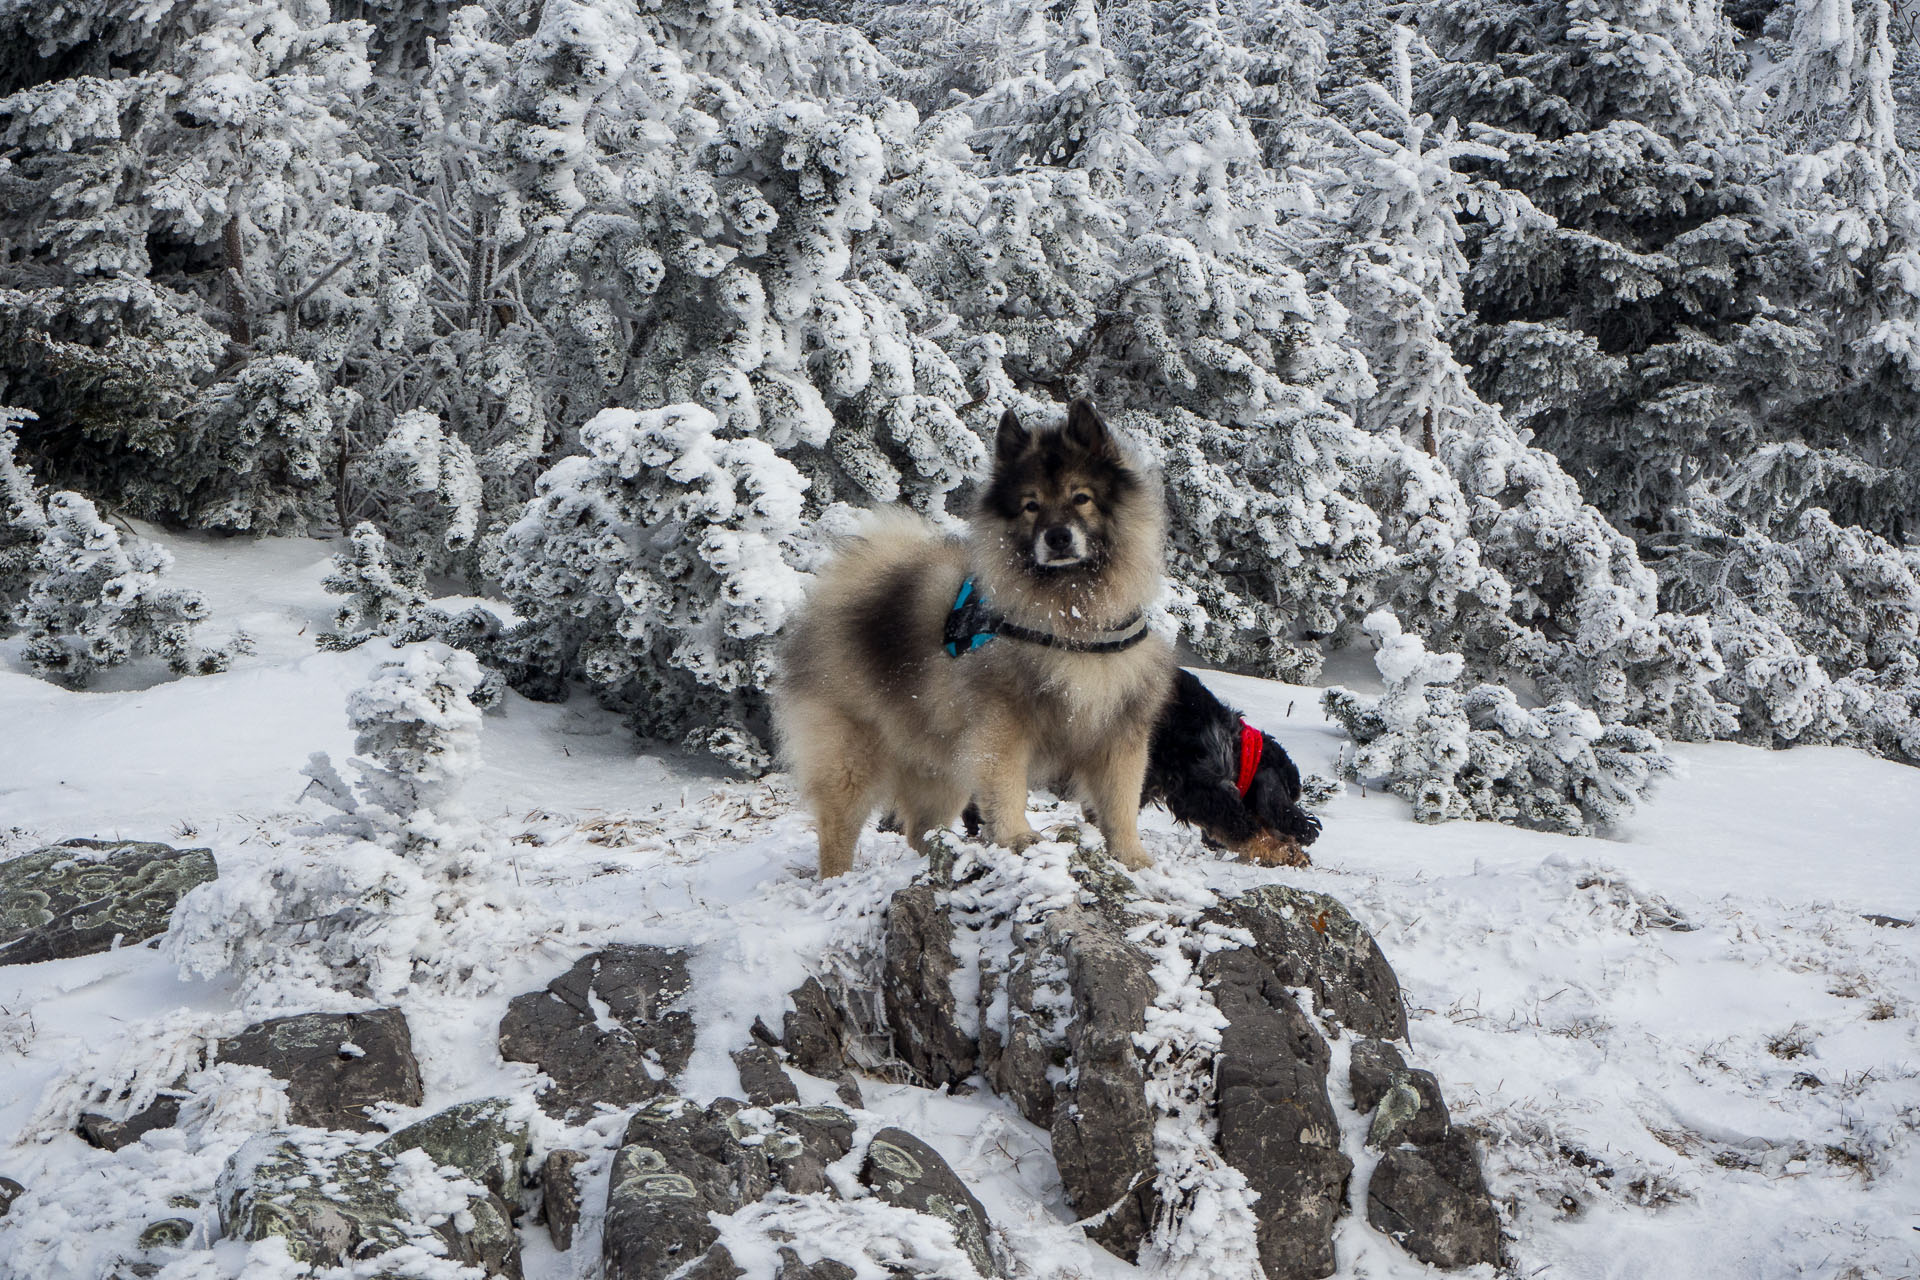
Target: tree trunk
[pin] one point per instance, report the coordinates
(237, 325)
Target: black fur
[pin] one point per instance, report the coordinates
(1194, 770)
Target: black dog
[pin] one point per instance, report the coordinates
(1214, 771)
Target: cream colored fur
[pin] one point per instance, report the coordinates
(872, 712)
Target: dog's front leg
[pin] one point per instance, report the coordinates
(1112, 782)
(1001, 754)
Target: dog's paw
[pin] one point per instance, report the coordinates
(1134, 859)
(1021, 841)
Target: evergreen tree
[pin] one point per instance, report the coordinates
(94, 601)
(657, 567)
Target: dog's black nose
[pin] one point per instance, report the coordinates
(1059, 538)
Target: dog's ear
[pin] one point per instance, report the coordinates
(1012, 439)
(1087, 430)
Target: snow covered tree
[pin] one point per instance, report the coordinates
(418, 739)
(381, 598)
(1478, 753)
(391, 895)
(23, 520)
(94, 601)
(178, 188)
(657, 567)
(1633, 331)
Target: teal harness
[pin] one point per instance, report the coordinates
(970, 624)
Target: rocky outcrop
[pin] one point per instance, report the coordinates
(904, 1171)
(1101, 1009)
(484, 1139)
(109, 1134)
(560, 1195)
(86, 896)
(683, 1172)
(335, 1201)
(1427, 1192)
(336, 1065)
(610, 1029)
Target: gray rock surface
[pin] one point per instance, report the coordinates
(1065, 989)
(765, 1084)
(482, 1139)
(561, 1195)
(681, 1167)
(824, 1035)
(81, 896)
(1102, 1123)
(110, 1135)
(1277, 1124)
(336, 1065)
(904, 1171)
(1312, 941)
(9, 1192)
(677, 1165)
(1406, 1104)
(610, 1029)
(811, 1138)
(917, 982)
(1433, 1200)
(333, 1202)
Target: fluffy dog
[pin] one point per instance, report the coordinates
(927, 670)
(1213, 770)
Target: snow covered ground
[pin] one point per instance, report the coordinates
(1738, 1097)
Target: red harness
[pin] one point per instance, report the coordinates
(1252, 742)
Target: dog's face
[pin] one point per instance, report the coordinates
(1059, 493)
(1273, 800)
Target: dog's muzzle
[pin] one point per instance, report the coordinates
(1059, 546)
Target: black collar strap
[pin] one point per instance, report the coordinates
(971, 624)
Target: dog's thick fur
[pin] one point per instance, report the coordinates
(871, 711)
(1194, 768)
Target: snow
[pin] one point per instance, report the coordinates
(1738, 1098)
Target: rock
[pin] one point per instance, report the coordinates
(1406, 1104)
(80, 897)
(110, 1135)
(607, 1030)
(904, 1171)
(1312, 941)
(811, 1138)
(678, 1165)
(811, 1032)
(766, 1085)
(1102, 1123)
(336, 1065)
(792, 1268)
(561, 1195)
(928, 1031)
(482, 1139)
(1277, 1124)
(1886, 922)
(1433, 1200)
(821, 1038)
(1022, 1058)
(9, 1192)
(166, 1233)
(681, 1167)
(333, 1203)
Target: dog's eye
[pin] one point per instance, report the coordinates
(1031, 506)
(1082, 499)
